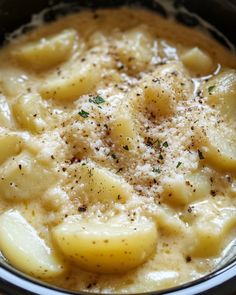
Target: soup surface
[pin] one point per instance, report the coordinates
(117, 152)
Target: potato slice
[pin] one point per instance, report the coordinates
(30, 112)
(135, 49)
(217, 146)
(197, 61)
(221, 92)
(106, 247)
(23, 177)
(99, 184)
(210, 233)
(24, 249)
(10, 145)
(123, 131)
(79, 80)
(167, 85)
(175, 191)
(47, 52)
(199, 185)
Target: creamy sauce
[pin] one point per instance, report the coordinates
(117, 121)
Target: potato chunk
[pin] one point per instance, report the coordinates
(106, 247)
(197, 61)
(47, 52)
(30, 112)
(99, 184)
(24, 249)
(10, 145)
(123, 131)
(217, 146)
(167, 85)
(199, 185)
(221, 92)
(176, 191)
(135, 49)
(79, 80)
(210, 233)
(23, 177)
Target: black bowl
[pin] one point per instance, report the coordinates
(222, 15)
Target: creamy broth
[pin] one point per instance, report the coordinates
(118, 152)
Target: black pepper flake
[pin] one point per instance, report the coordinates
(213, 193)
(161, 157)
(188, 259)
(82, 208)
(114, 156)
(20, 167)
(200, 155)
(125, 147)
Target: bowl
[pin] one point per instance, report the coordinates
(222, 16)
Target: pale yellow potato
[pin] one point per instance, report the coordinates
(175, 191)
(160, 99)
(25, 250)
(30, 112)
(210, 233)
(101, 185)
(10, 145)
(135, 49)
(106, 247)
(123, 130)
(46, 52)
(218, 147)
(5, 113)
(154, 155)
(197, 61)
(221, 92)
(70, 85)
(199, 184)
(165, 87)
(24, 178)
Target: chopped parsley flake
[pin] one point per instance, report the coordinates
(165, 144)
(157, 170)
(211, 88)
(200, 155)
(179, 163)
(83, 114)
(97, 100)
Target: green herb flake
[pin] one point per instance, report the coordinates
(165, 144)
(83, 114)
(161, 157)
(157, 170)
(179, 163)
(125, 147)
(200, 155)
(97, 100)
(210, 88)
